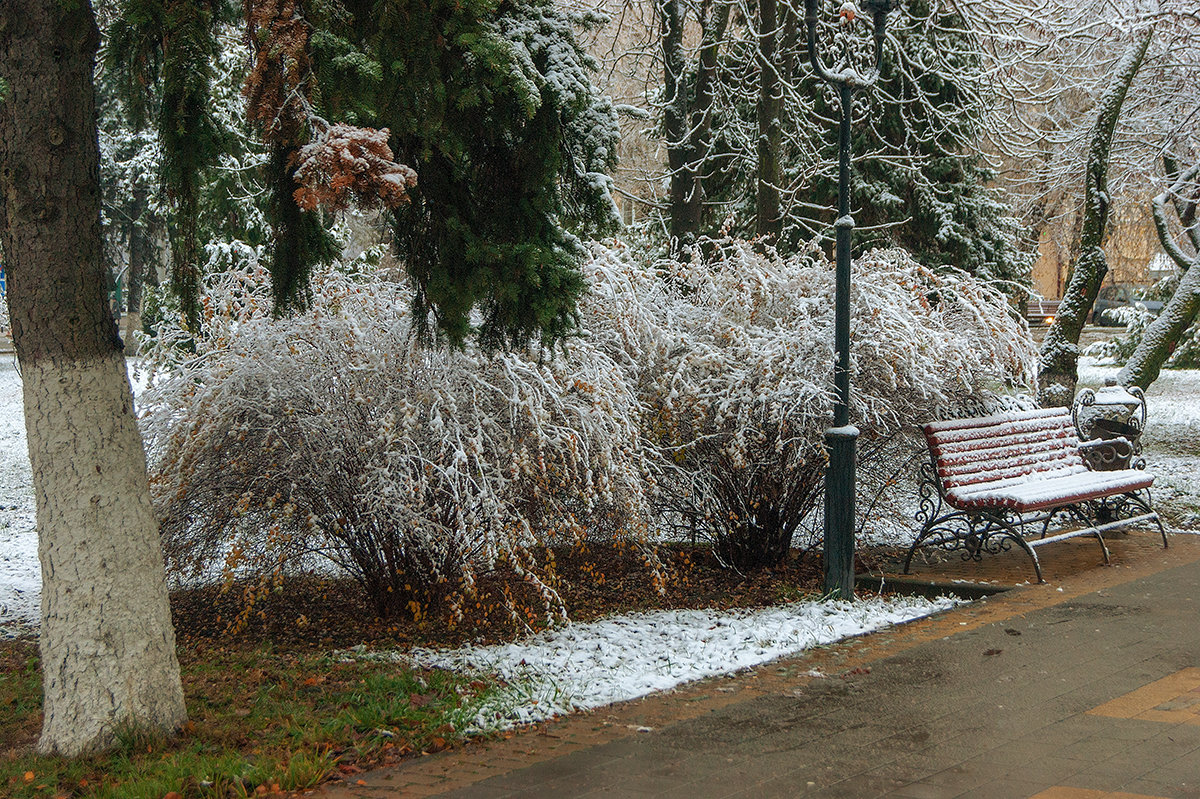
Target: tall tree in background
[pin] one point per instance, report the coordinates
(173, 40)
(922, 182)
(1048, 66)
(687, 109)
(777, 41)
(133, 224)
(107, 647)
(1060, 348)
(491, 105)
(1181, 310)
(918, 179)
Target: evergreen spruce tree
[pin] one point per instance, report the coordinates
(493, 107)
(918, 180)
(927, 190)
(497, 144)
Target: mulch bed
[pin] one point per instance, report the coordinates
(309, 613)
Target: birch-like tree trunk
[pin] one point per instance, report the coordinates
(1060, 349)
(107, 646)
(1161, 335)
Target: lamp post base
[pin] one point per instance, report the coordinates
(840, 443)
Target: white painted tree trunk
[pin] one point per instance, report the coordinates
(108, 649)
(107, 645)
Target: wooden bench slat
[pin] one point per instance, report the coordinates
(1051, 470)
(1012, 465)
(1049, 493)
(1029, 440)
(995, 419)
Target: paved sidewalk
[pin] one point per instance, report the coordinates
(1085, 688)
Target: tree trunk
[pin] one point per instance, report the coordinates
(139, 247)
(1060, 349)
(1161, 335)
(768, 176)
(107, 646)
(686, 198)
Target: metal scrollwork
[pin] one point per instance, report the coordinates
(1083, 422)
(1108, 455)
(971, 533)
(1114, 412)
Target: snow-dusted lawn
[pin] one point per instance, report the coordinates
(1171, 440)
(20, 575)
(580, 666)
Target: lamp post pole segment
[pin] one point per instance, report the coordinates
(842, 437)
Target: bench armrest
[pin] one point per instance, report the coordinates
(1106, 455)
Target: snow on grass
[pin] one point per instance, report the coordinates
(582, 666)
(20, 574)
(1171, 441)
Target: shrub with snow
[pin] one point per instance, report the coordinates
(698, 391)
(334, 432)
(1137, 318)
(732, 355)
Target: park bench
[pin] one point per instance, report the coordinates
(997, 481)
(1041, 312)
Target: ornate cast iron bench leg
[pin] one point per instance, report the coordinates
(1005, 530)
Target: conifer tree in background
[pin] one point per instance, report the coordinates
(494, 156)
(170, 44)
(918, 180)
(496, 113)
(133, 223)
(926, 187)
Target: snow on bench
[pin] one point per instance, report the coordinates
(990, 478)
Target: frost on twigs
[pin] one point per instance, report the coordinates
(333, 433)
(732, 355)
(346, 165)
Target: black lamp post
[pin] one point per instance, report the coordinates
(840, 439)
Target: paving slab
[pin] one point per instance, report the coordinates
(1084, 688)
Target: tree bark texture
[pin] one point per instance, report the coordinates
(139, 247)
(770, 126)
(1060, 349)
(685, 196)
(1162, 334)
(107, 646)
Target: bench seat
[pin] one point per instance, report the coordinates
(1068, 488)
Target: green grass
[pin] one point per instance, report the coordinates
(259, 721)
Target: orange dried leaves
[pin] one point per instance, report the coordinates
(345, 165)
(276, 91)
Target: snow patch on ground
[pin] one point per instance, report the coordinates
(582, 666)
(20, 574)
(20, 571)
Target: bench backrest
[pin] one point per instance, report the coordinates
(1007, 446)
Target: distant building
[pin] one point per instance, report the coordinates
(1130, 244)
